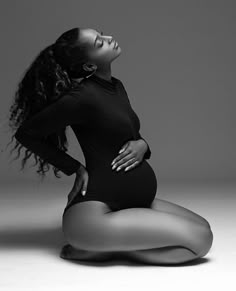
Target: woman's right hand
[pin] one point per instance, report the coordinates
(80, 184)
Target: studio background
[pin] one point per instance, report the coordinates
(178, 67)
(177, 64)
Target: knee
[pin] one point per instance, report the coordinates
(203, 239)
(205, 222)
(207, 239)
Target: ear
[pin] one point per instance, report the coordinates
(89, 67)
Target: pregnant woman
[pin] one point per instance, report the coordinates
(111, 208)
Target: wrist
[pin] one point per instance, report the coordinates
(141, 139)
(79, 167)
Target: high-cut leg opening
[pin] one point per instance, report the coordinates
(112, 205)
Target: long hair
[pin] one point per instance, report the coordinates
(48, 77)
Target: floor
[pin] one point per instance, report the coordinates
(31, 239)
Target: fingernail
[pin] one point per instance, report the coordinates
(112, 163)
(83, 193)
(118, 169)
(113, 167)
(126, 169)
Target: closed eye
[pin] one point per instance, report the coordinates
(101, 44)
(97, 37)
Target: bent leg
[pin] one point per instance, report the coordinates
(170, 207)
(89, 225)
(145, 229)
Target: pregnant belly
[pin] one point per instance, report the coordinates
(133, 188)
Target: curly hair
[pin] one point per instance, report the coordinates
(49, 76)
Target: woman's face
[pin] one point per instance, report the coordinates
(102, 49)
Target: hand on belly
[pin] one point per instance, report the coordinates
(130, 155)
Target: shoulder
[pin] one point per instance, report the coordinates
(121, 84)
(117, 80)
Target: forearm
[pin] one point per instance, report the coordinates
(49, 153)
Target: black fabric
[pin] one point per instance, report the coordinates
(101, 116)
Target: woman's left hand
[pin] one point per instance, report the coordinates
(130, 155)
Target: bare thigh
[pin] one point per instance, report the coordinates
(167, 206)
(91, 225)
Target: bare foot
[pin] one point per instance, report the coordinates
(70, 253)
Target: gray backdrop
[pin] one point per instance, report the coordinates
(177, 64)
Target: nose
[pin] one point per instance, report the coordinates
(111, 40)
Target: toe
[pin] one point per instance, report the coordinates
(65, 251)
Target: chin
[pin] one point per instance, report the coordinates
(118, 52)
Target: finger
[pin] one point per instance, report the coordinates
(132, 166)
(72, 193)
(125, 163)
(77, 186)
(121, 152)
(84, 189)
(118, 160)
(70, 197)
(124, 147)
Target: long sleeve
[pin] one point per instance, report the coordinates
(68, 109)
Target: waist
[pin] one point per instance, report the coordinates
(105, 167)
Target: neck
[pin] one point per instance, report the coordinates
(104, 72)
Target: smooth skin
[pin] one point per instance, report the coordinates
(101, 52)
(165, 233)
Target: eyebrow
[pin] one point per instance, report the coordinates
(101, 32)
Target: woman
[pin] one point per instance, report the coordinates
(111, 208)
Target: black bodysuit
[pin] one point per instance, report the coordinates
(100, 114)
